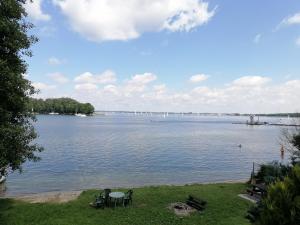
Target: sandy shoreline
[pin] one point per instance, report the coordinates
(66, 196)
(50, 197)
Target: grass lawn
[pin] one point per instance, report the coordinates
(149, 207)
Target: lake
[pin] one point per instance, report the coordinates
(126, 150)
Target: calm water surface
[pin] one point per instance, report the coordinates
(126, 150)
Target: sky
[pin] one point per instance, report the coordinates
(222, 56)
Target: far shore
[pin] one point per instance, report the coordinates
(66, 196)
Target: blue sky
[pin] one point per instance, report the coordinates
(141, 55)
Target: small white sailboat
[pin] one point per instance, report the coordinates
(80, 115)
(289, 121)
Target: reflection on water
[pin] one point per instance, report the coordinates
(122, 150)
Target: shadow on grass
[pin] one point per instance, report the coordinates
(5, 206)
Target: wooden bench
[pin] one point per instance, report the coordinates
(252, 192)
(257, 189)
(196, 203)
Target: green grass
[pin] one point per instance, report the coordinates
(149, 207)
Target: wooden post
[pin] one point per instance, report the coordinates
(252, 175)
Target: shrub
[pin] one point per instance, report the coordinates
(269, 173)
(281, 205)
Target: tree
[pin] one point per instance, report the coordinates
(296, 143)
(17, 133)
(281, 206)
(59, 105)
(291, 141)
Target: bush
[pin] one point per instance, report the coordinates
(281, 205)
(269, 173)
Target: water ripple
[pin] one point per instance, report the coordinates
(118, 150)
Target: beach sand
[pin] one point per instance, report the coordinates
(66, 196)
(52, 197)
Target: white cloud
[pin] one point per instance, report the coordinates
(101, 20)
(293, 83)
(249, 94)
(138, 83)
(86, 87)
(59, 78)
(251, 81)
(111, 89)
(42, 86)
(291, 20)
(160, 89)
(144, 78)
(34, 10)
(55, 61)
(106, 77)
(257, 38)
(188, 16)
(198, 78)
(201, 90)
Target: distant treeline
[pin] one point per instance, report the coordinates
(281, 114)
(59, 105)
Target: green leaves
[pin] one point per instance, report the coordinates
(281, 206)
(16, 131)
(269, 173)
(59, 105)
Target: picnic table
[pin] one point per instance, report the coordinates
(117, 197)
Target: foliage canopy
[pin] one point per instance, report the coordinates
(271, 172)
(16, 130)
(59, 105)
(281, 206)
